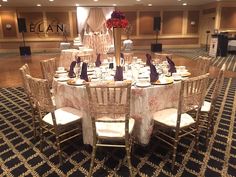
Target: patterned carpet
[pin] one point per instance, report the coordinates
(20, 154)
(230, 59)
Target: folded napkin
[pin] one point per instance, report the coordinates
(172, 68)
(122, 55)
(98, 61)
(71, 71)
(84, 74)
(149, 59)
(119, 73)
(78, 60)
(154, 76)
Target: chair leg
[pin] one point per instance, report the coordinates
(128, 150)
(208, 130)
(41, 138)
(174, 155)
(34, 125)
(92, 160)
(58, 148)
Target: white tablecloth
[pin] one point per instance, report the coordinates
(144, 102)
(232, 45)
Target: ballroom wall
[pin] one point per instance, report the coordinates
(180, 26)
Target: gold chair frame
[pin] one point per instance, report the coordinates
(48, 68)
(106, 100)
(24, 70)
(40, 90)
(191, 97)
(207, 122)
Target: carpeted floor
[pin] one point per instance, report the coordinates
(20, 154)
(230, 59)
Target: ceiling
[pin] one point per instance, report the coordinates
(24, 3)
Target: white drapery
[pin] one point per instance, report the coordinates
(107, 11)
(82, 15)
(96, 19)
(93, 20)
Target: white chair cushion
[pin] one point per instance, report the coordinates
(105, 129)
(206, 106)
(63, 116)
(169, 117)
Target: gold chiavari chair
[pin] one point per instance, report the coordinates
(64, 123)
(203, 65)
(24, 70)
(110, 114)
(48, 68)
(208, 108)
(175, 123)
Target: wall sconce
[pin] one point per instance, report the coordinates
(192, 23)
(8, 26)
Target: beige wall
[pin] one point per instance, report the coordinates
(180, 26)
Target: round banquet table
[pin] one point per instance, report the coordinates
(144, 102)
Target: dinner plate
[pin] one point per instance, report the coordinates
(76, 82)
(90, 70)
(143, 84)
(158, 82)
(62, 79)
(177, 78)
(185, 74)
(61, 71)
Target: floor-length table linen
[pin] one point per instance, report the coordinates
(144, 102)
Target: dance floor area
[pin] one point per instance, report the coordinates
(20, 154)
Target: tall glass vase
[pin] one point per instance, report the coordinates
(117, 47)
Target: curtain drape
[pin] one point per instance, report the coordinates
(82, 15)
(107, 11)
(96, 19)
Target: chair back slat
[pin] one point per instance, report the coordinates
(24, 70)
(192, 93)
(41, 93)
(203, 65)
(48, 68)
(109, 100)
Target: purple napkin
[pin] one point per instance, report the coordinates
(122, 55)
(154, 76)
(98, 61)
(78, 60)
(84, 74)
(119, 73)
(71, 71)
(149, 59)
(172, 68)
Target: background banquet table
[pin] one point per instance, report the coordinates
(144, 102)
(69, 55)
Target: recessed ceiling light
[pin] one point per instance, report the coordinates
(138, 0)
(77, 5)
(149, 5)
(39, 5)
(179, 0)
(114, 4)
(51, 0)
(4, 0)
(184, 4)
(95, 0)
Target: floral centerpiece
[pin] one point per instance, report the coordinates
(117, 22)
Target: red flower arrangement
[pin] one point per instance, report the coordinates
(117, 20)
